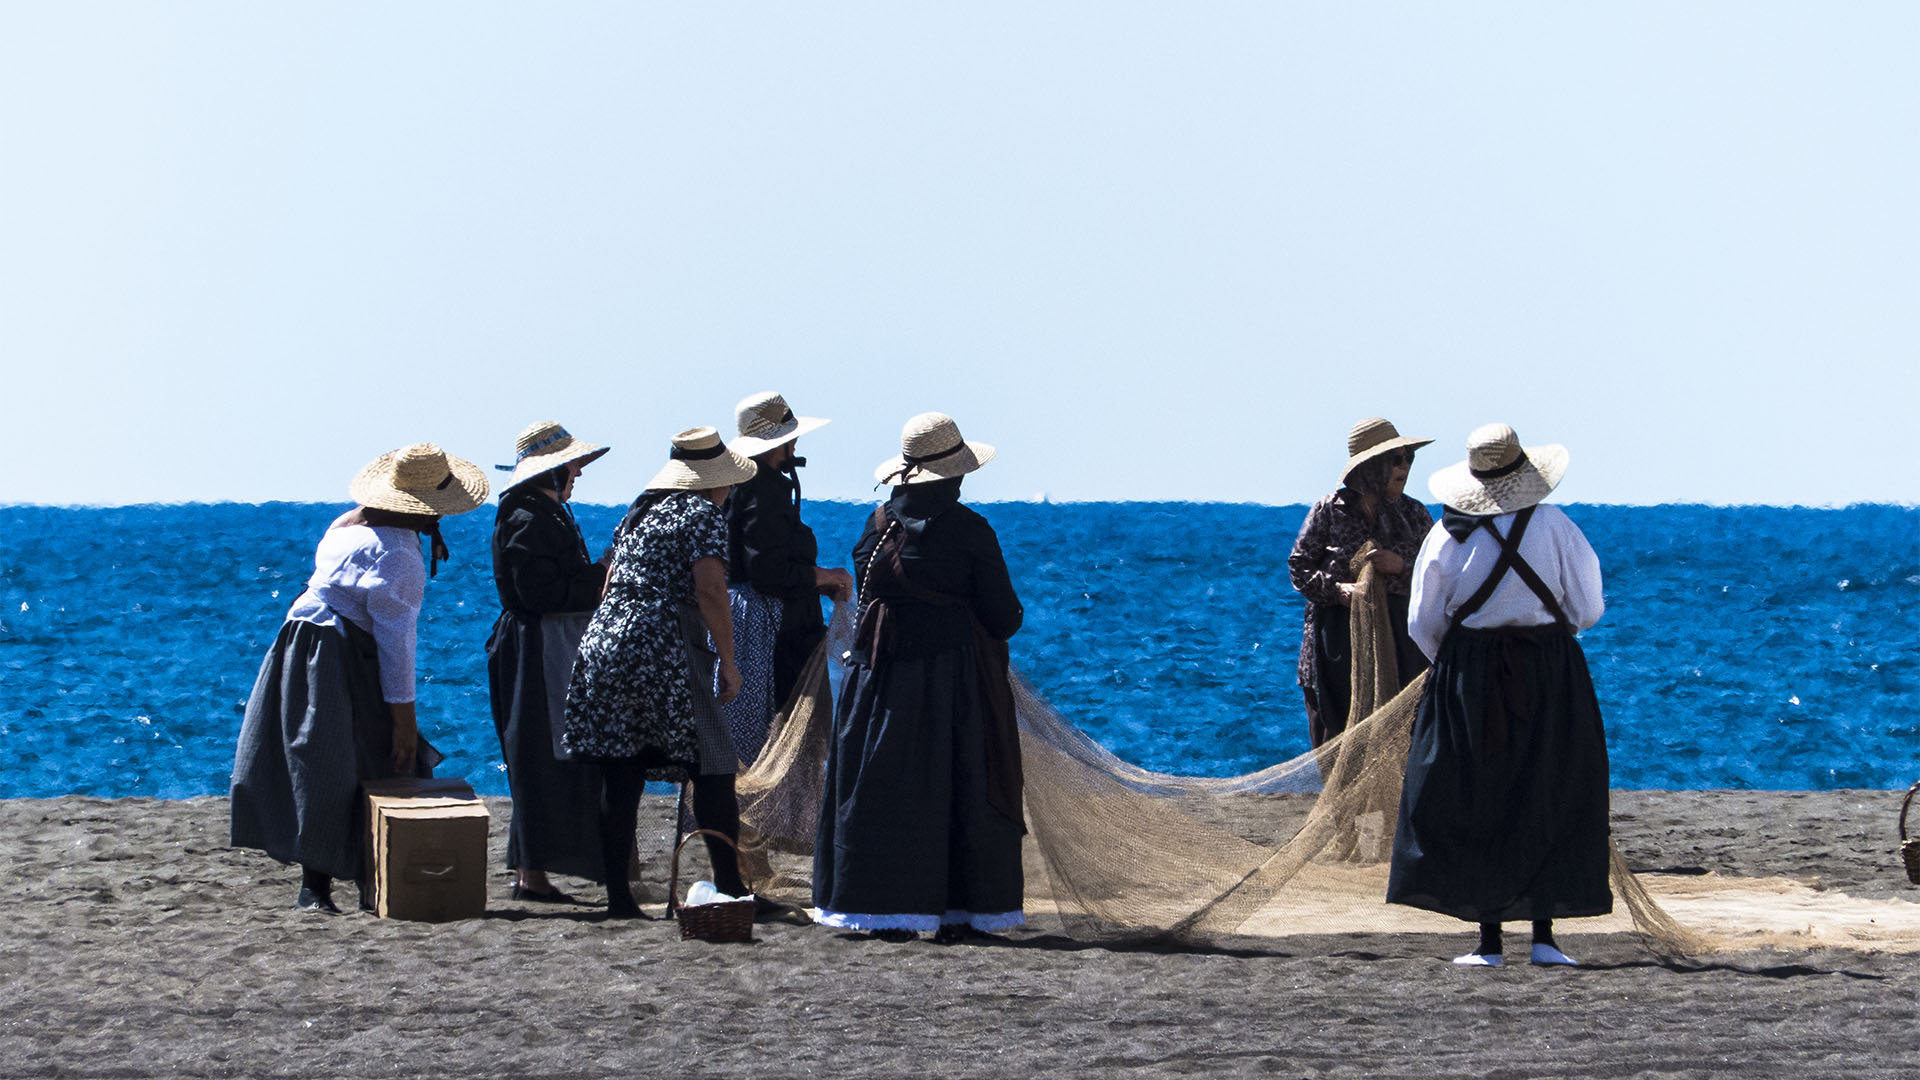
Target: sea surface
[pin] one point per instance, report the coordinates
(1743, 647)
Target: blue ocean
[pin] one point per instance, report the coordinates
(1743, 647)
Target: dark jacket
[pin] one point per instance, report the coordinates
(949, 549)
(540, 562)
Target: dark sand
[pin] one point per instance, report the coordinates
(140, 945)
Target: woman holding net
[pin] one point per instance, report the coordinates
(1503, 812)
(1370, 506)
(920, 822)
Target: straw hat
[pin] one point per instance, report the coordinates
(1371, 438)
(764, 422)
(931, 449)
(542, 447)
(699, 461)
(1499, 475)
(420, 479)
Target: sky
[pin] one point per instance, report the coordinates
(1150, 251)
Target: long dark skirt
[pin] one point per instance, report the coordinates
(316, 725)
(1503, 815)
(907, 838)
(555, 823)
(1330, 697)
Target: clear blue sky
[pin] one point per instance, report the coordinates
(1157, 251)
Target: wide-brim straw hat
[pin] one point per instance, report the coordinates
(1499, 476)
(764, 421)
(699, 460)
(931, 449)
(420, 479)
(1371, 438)
(542, 447)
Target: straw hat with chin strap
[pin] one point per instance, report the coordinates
(542, 447)
(1499, 476)
(1371, 438)
(931, 449)
(765, 422)
(699, 461)
(420, 479)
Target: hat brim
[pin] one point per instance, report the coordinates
(1376, 450)
(971, 456)
(1456, 486)
(682, 474)
(529, 467)
(373, 488)
(755, 445)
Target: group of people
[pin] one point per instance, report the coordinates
(668, 656)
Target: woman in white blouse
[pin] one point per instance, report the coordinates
(333, 703)
(1503, 815)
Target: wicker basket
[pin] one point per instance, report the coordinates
(729, 920)
(1909, 849)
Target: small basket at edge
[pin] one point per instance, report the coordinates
(728, 920)
(1909, 849)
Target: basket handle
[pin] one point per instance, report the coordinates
(1904, 803)
(673, 867)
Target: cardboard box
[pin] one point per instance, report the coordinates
(426, 850)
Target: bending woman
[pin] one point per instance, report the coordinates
(548, 588)
(1371, 504)
(334, 704)
(643, 700)
(1503, 814)
(920, 823)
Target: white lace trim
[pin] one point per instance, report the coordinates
(987, 922)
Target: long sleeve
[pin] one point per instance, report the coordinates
(1580, 585)
(1432, 597)
(1314, 566)
(995, 603)
(394, 587)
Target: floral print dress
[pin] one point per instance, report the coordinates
(635, 693)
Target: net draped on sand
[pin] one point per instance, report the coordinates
(1117, 852)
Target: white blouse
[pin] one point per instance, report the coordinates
(375, 579)
(1447, 573)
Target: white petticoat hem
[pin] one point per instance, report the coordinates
(986, 923)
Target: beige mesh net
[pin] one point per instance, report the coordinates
(1118, 852)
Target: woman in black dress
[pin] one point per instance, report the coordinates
(548, 588)
(657, 661)
(1371, 505)
(921, 820)
(1503, 813)
(772, 580)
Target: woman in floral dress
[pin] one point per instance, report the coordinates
(657, 660)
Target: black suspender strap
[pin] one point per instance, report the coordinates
(1510, 560)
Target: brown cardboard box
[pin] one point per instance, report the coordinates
(427, 849)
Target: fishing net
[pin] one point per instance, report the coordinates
(1117, 852)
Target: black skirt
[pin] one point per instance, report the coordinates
(316, 726)
(1332, 689)
(908, 838)
(1503, 813)
(555, 801)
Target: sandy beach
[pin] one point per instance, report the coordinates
(140, 945)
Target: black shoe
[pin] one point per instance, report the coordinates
(550, 896)
(310, 900)
(951, 933)
(895, 937)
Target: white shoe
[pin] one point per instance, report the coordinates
(1548, 956)
(1474, 959)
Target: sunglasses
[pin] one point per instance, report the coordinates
(1398, 457)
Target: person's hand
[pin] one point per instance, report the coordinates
(729, 681)
(1346, 593)
(406, 743)
(1386, 560)
(835, 582)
